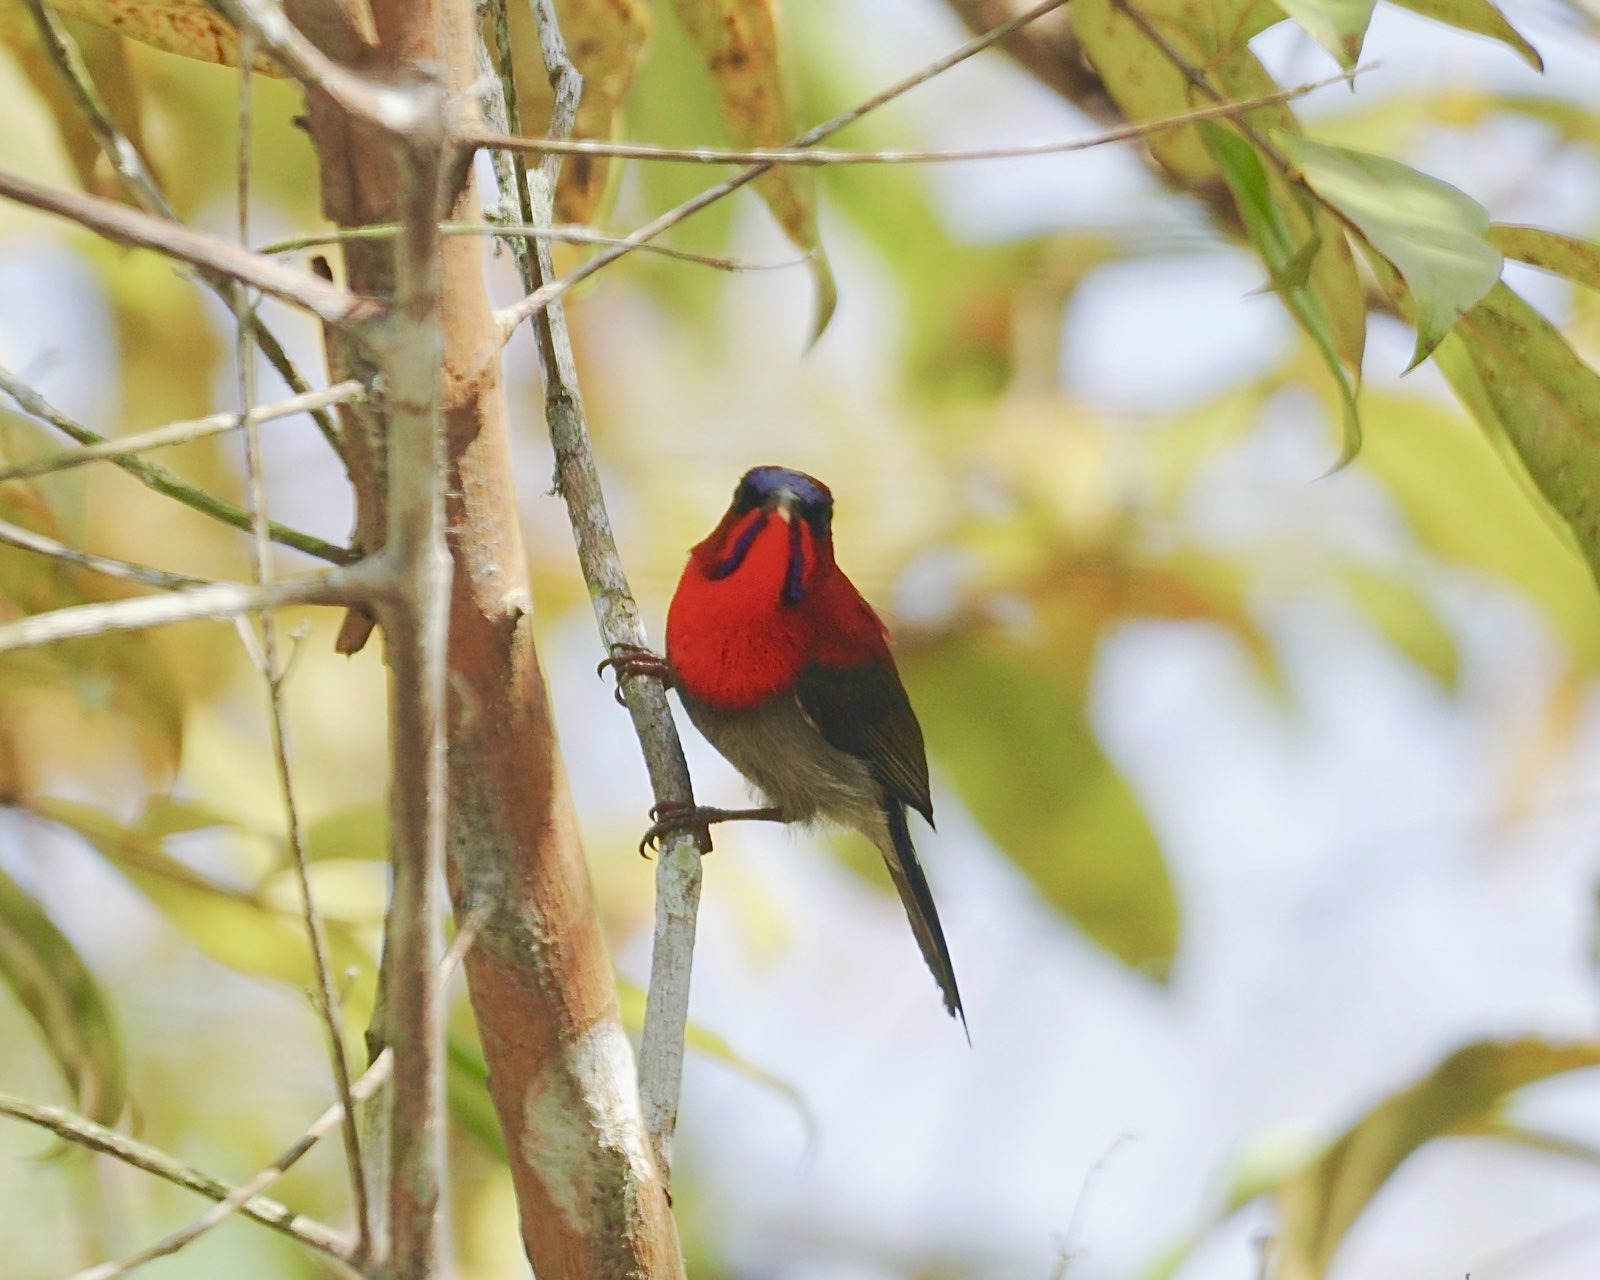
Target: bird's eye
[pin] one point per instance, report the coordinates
(744, 497)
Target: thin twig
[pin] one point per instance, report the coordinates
(325, 998)
(392, 107)
(240, 1199)
(416, 623)
(84, 1132)
(678, 870)
(566, 83)
(117, 222)
(140, 183)
(526, 231)
(144, 575)
(369, 1083)
(353, 585)
(160, 479)
(510, 317)
(185, 432)
(818, 157)
(500, 109)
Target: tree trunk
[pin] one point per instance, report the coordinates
(561, 1070)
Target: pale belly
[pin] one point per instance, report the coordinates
(781, 753)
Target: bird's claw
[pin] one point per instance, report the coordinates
(633, 660)
(675, 815)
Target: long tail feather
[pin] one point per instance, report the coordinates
(901, 855)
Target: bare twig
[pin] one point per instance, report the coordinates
(117, 148)
(128, 226)
(354, 585)
(1050, 51)
(416, 625)
(578, 481)
(392, 107)
(241, 1199)
(510, 317)
(160, 479)
(184, 432)
(144, 575)
(514, 204)
(140, 183)
(514, 230)
(565, 82)
(86, 1133)
(325, 998)
(235, 1201)
(819, 157)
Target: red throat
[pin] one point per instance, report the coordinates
(742, 626)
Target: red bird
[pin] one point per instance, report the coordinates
(786, 671)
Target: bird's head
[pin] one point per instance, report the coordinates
(777, 531)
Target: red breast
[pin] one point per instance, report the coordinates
(736, 640)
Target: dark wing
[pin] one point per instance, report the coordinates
(864, 711)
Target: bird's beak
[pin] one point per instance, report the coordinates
(784, 501)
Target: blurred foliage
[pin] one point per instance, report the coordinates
(1018, 527)
(1319, 1199)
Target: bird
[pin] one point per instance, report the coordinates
(786, 670)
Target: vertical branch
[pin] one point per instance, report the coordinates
(578, 481)
(324, 997)
(416, 623)
(561, 1073)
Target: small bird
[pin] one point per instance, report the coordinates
(786, 670)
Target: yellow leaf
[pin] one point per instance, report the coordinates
(105, 59)
(604, 42)
(737, 40)
(187, 27)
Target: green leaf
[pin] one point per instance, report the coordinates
(1146, 85)
(1014, 737)
(1339, 26)
(1568, 256)
(361, 832)
(1465, 506)
(61, 995)
(1518, 376)
(1432, 233)
(1479, 17)
(1318, 1204)
(235, 927)
(1403, 615)
(1283, 244)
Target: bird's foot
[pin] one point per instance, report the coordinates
(676, 815)
(634, 660)
(671, 816)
